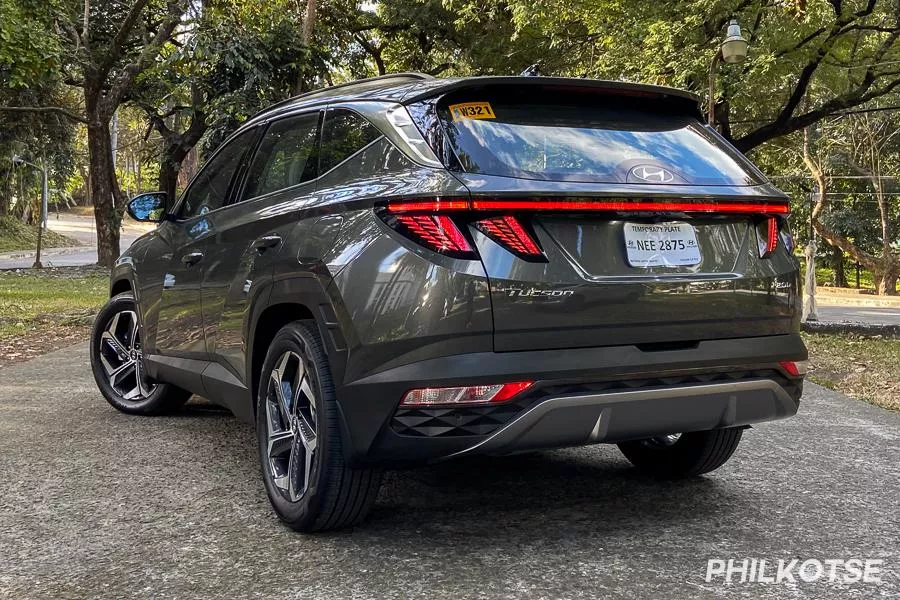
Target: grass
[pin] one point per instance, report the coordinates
(37, 300)
(15, 235)
(865, 367)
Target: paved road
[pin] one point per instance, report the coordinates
(94, 503)
(79, 227)
(857, 314)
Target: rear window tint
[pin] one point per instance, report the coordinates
(585, 138)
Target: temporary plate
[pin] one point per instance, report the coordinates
(472, 110)
(661, 244)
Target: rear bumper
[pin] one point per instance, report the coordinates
(582, 396)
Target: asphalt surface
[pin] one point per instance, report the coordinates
(94, 503)
(858, 314)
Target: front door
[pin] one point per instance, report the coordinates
(180, 316)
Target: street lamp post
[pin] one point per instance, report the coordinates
(18, 160)
(732, 50)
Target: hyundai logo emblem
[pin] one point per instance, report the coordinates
(652, 174)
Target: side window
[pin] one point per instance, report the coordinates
(343, 134)
(286, 156)
(209, 190)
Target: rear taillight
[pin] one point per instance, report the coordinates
(474, 394)
(436, 232)
(440, 224)
(767, 236)
(507, 231)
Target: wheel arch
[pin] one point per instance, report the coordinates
(119, 286)
(293, 299)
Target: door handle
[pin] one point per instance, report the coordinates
(266, 242)
(192, 258)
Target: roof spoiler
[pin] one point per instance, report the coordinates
(689, 101)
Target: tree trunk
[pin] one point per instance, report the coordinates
(837, 263)
(887, 283)
(168, 178)
(106, 215)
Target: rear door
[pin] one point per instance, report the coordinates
(250, 233)
(608, 220)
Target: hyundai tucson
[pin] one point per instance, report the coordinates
(403, 270)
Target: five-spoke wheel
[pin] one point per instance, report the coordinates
(300, 446)
(120, 354)
(117, 360)
(291, 421)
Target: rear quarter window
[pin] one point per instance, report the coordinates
(592, 138)
(344, 133)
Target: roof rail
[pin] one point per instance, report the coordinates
(405, 75)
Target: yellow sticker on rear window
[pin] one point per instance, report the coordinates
(472, 110)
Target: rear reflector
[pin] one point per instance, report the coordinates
(437, 232)
(476, 394)
(509, 233)
(795, 368)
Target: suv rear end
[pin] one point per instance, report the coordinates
(591, 263)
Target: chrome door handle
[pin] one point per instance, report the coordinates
(266, 242)
(192, 258)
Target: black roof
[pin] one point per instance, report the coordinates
(410, 87)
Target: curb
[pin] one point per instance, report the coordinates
(861, 302)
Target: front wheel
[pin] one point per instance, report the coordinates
(684, 455)
(298, 429)
(117, 361)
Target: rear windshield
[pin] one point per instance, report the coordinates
(585, 138)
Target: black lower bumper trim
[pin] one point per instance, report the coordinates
(618, 416)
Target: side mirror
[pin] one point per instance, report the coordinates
(148, 207)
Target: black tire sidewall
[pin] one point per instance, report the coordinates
(300, 337)
(695, 453)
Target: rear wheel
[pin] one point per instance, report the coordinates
(308, 484)
(117, 361)
(683, 455)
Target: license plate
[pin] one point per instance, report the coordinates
(661, 245)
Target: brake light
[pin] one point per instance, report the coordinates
(475, 394)
(509, 233)
(437, 232)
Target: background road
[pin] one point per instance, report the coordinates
(858, 314)
(80, 228)
(94, 503)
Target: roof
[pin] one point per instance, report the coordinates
(406, 88)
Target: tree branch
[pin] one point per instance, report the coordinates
(46, 109)
(121, 84)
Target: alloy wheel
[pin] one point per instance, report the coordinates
(122, 358)
(291, 425)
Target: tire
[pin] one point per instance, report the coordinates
(300, 446)
(689, 455)
(118, 367)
